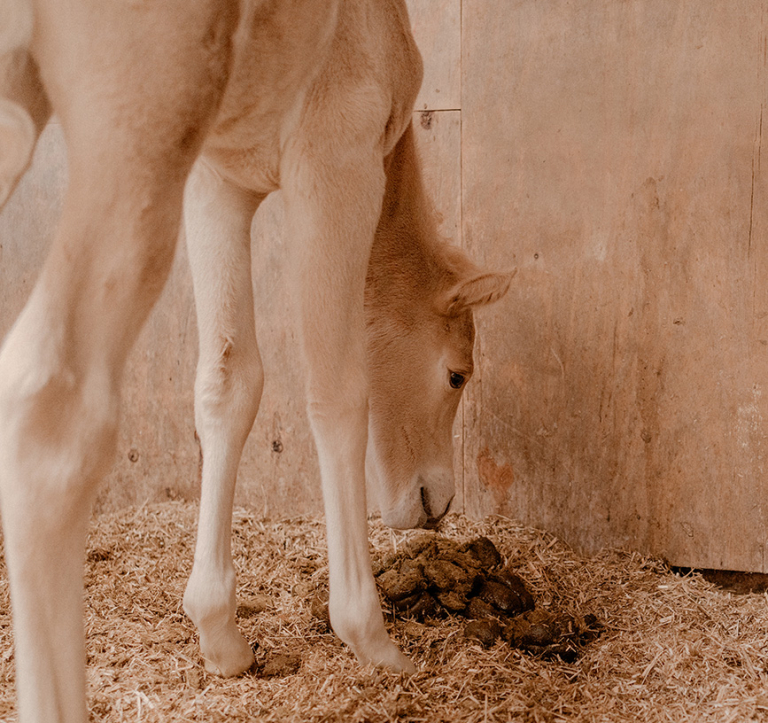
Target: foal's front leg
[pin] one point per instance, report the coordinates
(61, 364)
(227, 393)
(332, 210)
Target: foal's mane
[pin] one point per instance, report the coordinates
(409, 259)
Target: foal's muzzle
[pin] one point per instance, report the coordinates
(433, 517)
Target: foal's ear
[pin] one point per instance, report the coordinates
(478, 289)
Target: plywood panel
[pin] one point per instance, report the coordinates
(279, 473)
(612, 151)
(436, 27)
(26, 224)
(438, 140)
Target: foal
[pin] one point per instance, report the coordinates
(313, 97)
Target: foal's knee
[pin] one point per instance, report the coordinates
(57, 434)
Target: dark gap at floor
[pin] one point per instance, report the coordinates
(739, 583)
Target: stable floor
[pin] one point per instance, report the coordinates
(672, 647)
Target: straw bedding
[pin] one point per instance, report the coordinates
(672, 647)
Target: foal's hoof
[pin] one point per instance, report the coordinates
(402, 664)
(229, 668)
(231, 660)
(389, 657)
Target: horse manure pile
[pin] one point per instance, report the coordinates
(435, 577)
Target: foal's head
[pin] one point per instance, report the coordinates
(420, 298)
(420, 360)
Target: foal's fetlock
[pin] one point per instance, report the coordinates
(224, 649)
(369, 640)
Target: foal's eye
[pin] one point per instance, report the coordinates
(456, 380)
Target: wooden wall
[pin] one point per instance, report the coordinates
(612, 152)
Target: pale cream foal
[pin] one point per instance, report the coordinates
(313, 97)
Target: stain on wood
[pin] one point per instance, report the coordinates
(494, 478)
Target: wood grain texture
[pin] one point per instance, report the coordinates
(612, 151)
(438, 140)
(436, 26)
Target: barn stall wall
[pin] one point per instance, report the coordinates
(612, 153)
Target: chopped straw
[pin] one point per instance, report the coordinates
(673, 648)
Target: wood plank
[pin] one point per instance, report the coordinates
(615, 158)
(436, 26)
(438, 138)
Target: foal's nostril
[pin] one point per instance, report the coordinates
(425, 501)
(433, 518)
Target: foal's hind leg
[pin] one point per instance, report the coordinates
(227, 393)
(132, 138)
